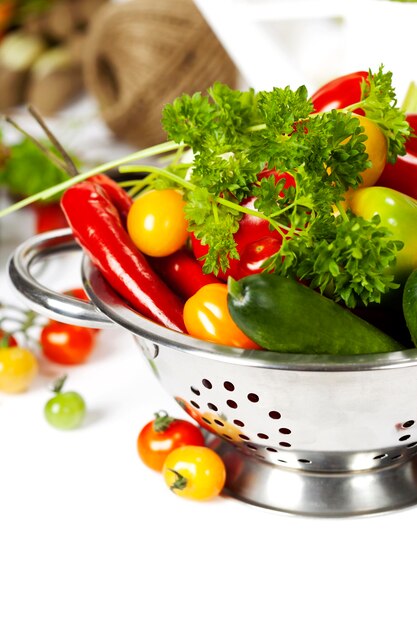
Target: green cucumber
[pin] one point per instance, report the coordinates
(410, 305)
(283, 315)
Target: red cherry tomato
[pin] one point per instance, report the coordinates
(251, 228)
(411, 143)
(7, 340)
(163, 435)
(339, 92)
(77, 292)
(67, 344)
(49, 217)
(255, 254)
(402, 175)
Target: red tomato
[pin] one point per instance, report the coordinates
(163, 435)
(49, 217)
(251, 228)
(255, 254)
(77, 292)
(402, 175)
(339, 92)
(7, 340)
(411, 143)
(67, 344)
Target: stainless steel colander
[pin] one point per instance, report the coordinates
(315, 435)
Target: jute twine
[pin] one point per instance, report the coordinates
(142, 54)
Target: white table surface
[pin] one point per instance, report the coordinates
(90, 536)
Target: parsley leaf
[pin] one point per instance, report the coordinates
(235, 135)
(379, 104)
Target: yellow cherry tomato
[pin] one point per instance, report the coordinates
(156, 222)
(376, 148)
(206, 316)
(194, 472)
(18, 368)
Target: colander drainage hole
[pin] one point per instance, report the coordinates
(306, 461)
(412, 445)
(228, 385)
(195, 391)
(244, 437)
(408, 424)
(207, 384)
(232, 404)
(396, 456)
(253, 397)
(404, 438)
(251, 446)
(195, 405)
(275, 415)
(219, 423)
(285, 444)
(285, 431)
(272, 449)
(212, 406)
(239, 423)
(379, 457)
(262, 436)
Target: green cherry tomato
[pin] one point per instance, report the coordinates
(398, 213)
(66, 409)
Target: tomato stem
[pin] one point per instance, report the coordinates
(4, 340)
(180, 481)
(58, 384)
(162, 421)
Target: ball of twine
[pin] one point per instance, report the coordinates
(141, 55)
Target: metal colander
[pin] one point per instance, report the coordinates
(315, 435)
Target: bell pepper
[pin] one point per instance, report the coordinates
(340, 92)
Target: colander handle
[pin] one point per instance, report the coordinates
(41, 299)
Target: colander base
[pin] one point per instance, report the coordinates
(319, 494)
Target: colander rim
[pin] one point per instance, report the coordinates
(113, 306)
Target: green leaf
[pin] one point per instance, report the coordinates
(27, 171)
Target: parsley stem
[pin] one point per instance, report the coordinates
(242, 209)
(257, 127)
(152, 169)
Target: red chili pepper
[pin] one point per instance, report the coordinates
(402, 175)
(118, 196)
(97, 226)
(182, 273)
